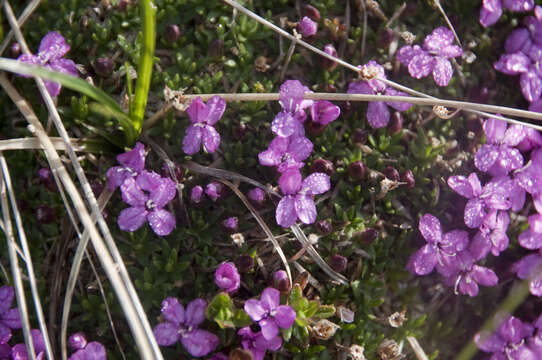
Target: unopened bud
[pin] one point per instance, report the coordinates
(396, 123)
(322, 166)
(324, 227)
(408, 177)
(311, 12)
(104, 66)
(15, 49)
(338, 263)
(256, 197)
(360, 136)
(391, 173)
(77, 341)
(357, 170)
(231, 224)
(173, 33)
(281, 281)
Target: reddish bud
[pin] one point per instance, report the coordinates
(173, 33)
(104, 66)
(408, 177)
(281, 281)
(391, 173)
(359, 136)
(396, 123)
(338, 263)
(245, 263)
(322, 166)
(312, 12)
(357, 170)
(324, 227)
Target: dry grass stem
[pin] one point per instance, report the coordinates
(416, 347)
(28, 258)
(28, 10)
(34, 144)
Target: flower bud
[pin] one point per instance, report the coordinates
(391, 173)
(196, 194)
(231, 224)
(245, 263)
(311, 12)
(173, 33)
(369, 235)
(15, 49)
(307, 27)
(357, 170)
(45, 214)
(324, 227)
(77, 341)
(330, 65)
(396, 123)
(216, 49)
(227, 277)
(214, 190)
(338, 263)
(46, 178)
(322, 166)
(256, 197)
(408, 177)
(104, 66)
(314, 128)
(281, 281)
(360, 136)
(177, 172)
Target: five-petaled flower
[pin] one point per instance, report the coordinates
(50, 55)
(203, 117)
(147, 207)
(468, 275)
(9, 317)
(378, 114)
(269, 314)
(298, 197)
(290, 120)
(286, 152)
(433, 57)
(131, 164)
(182, 325)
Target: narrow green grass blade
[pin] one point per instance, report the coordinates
(144, 71)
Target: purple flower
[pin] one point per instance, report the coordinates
(5, 352)
(9, 317)
(378, 114)
(181, 325)
(86, 351)
(492, 235)
(257, 344)
(18, 351)
(508, 342)
(214, 190)
(307, 27)
(518, 40)
(530, 178)
(468, 275)
(433, 58)
(132, 163)
(50, 55)
(491, 10)
(498, 156)
(532, 237)
(298, 201)
(440, 250)
(196, 194)
(286, 152)
(227, 277)
(203, 117)
(323, 112)
(496, 195)
(281, 281)
(231, 224)
(289, 121)
(530, 268)
(147, 207)
(269, 314)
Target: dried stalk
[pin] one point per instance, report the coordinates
(28, 258)
(34, 143)
(28, 10)
(16, 271)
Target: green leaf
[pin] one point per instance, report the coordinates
(144, 70)
(241, 319)
(312, 308)
(325, 311)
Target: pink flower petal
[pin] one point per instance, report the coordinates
(161, 221)
(95, 351)
(518, 40)
(490, 12)
(290, 95)
(317, 183)
(148, 180)
(134, 159)
(270, 298)
(198, 112)
(300, 148)
(211, 139)
(399, 106)
(442, 72)
(163, 193)
(53, 46)
(438, 39)
(269, 328)
(269, 158)
(378, 114)
(430, 228)
(199, 342)
(531, 85)
(7, 294)
(285, 316)
(324, 112)
(421, 65)
(216, 106)
(166, 334)
(485, 157)
(132, 218)
(172, 310)
(285, 214)
(305, 209)
(12, 318)
(290, 181)
(423, 261)
(360, 87)
(284, 124)
(192, 140)
(475, 213)
(5, 335)
(484, 276)
(530, 240)
(461, 185)
(132, 193)
(254, 309)
(65, 66)
(513, 64)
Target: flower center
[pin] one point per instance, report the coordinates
(150, 205)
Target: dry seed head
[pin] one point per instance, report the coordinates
(397, 319)
(408, 37)
(441, 111)
(357, 352)
(324, 329)
(368, 72)
(389, 350)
